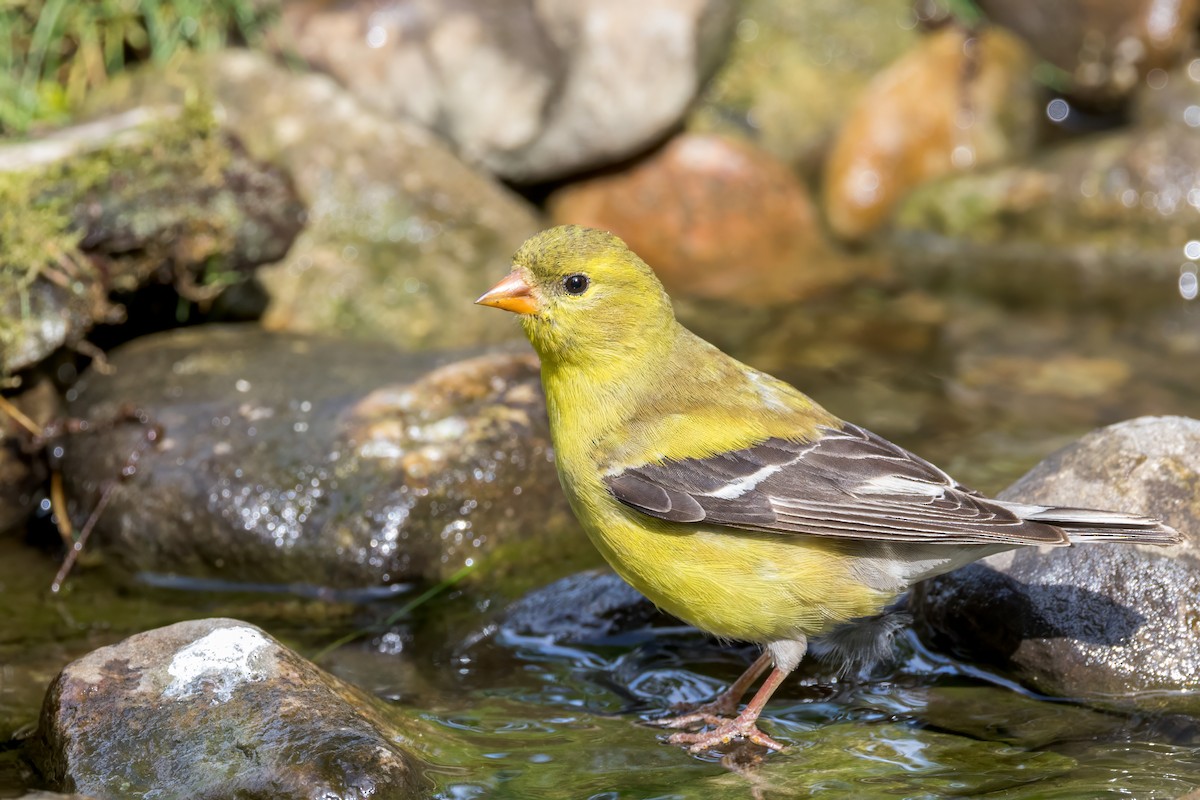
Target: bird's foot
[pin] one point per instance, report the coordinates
(714, 712)
(725, 731)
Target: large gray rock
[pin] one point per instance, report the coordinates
(293, 459)
(1115, 624)
(217, 708)
(530, 90)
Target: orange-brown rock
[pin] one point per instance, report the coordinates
(955, 102)
(715, 217)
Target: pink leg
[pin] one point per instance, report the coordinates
(742, 726)
(717, 711)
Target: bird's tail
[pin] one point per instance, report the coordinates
(1090, 525)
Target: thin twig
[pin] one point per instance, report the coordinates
(58, 504)
(153, 434)
(19, 417)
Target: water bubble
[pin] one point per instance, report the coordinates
(865, 186)
(1058, 109)
(962, 156)
(1156, 78)
(747, 30)
(377, 36)
(1192, 250)
(1191, 116)
(1189, 286)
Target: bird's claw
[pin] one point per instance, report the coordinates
(714, 712)
(726, 731)
(687, 720)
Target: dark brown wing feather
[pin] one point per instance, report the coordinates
(849, 484)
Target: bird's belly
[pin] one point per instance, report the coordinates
(739, 584)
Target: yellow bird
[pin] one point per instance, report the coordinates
(727, 497)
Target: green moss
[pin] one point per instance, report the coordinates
(54, 52)
(39, 235)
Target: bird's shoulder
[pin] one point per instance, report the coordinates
(707, 408)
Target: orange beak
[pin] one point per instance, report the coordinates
(512, 293)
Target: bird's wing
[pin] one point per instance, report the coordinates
(849, 483)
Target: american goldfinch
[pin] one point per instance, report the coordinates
(729, 498)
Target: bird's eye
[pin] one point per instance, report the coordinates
(576, 284)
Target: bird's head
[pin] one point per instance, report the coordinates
(582, 295)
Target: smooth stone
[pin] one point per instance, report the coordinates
(217, 708)
(1114, 625)
(301, 460)
(531, 91)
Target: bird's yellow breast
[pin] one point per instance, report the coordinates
(757, 587)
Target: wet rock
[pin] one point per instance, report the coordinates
(216, 708)
(293, 459)
(530, 90)
(1104, 47)
(794, 69)
(106, 206)
(716, 218)
(954, 102)
(1105, 220)
(401, 236)
(1114, 624)
(584, 607)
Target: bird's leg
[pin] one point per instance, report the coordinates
(724, 706)
(742, 726)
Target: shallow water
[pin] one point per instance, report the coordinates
(982, 390)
